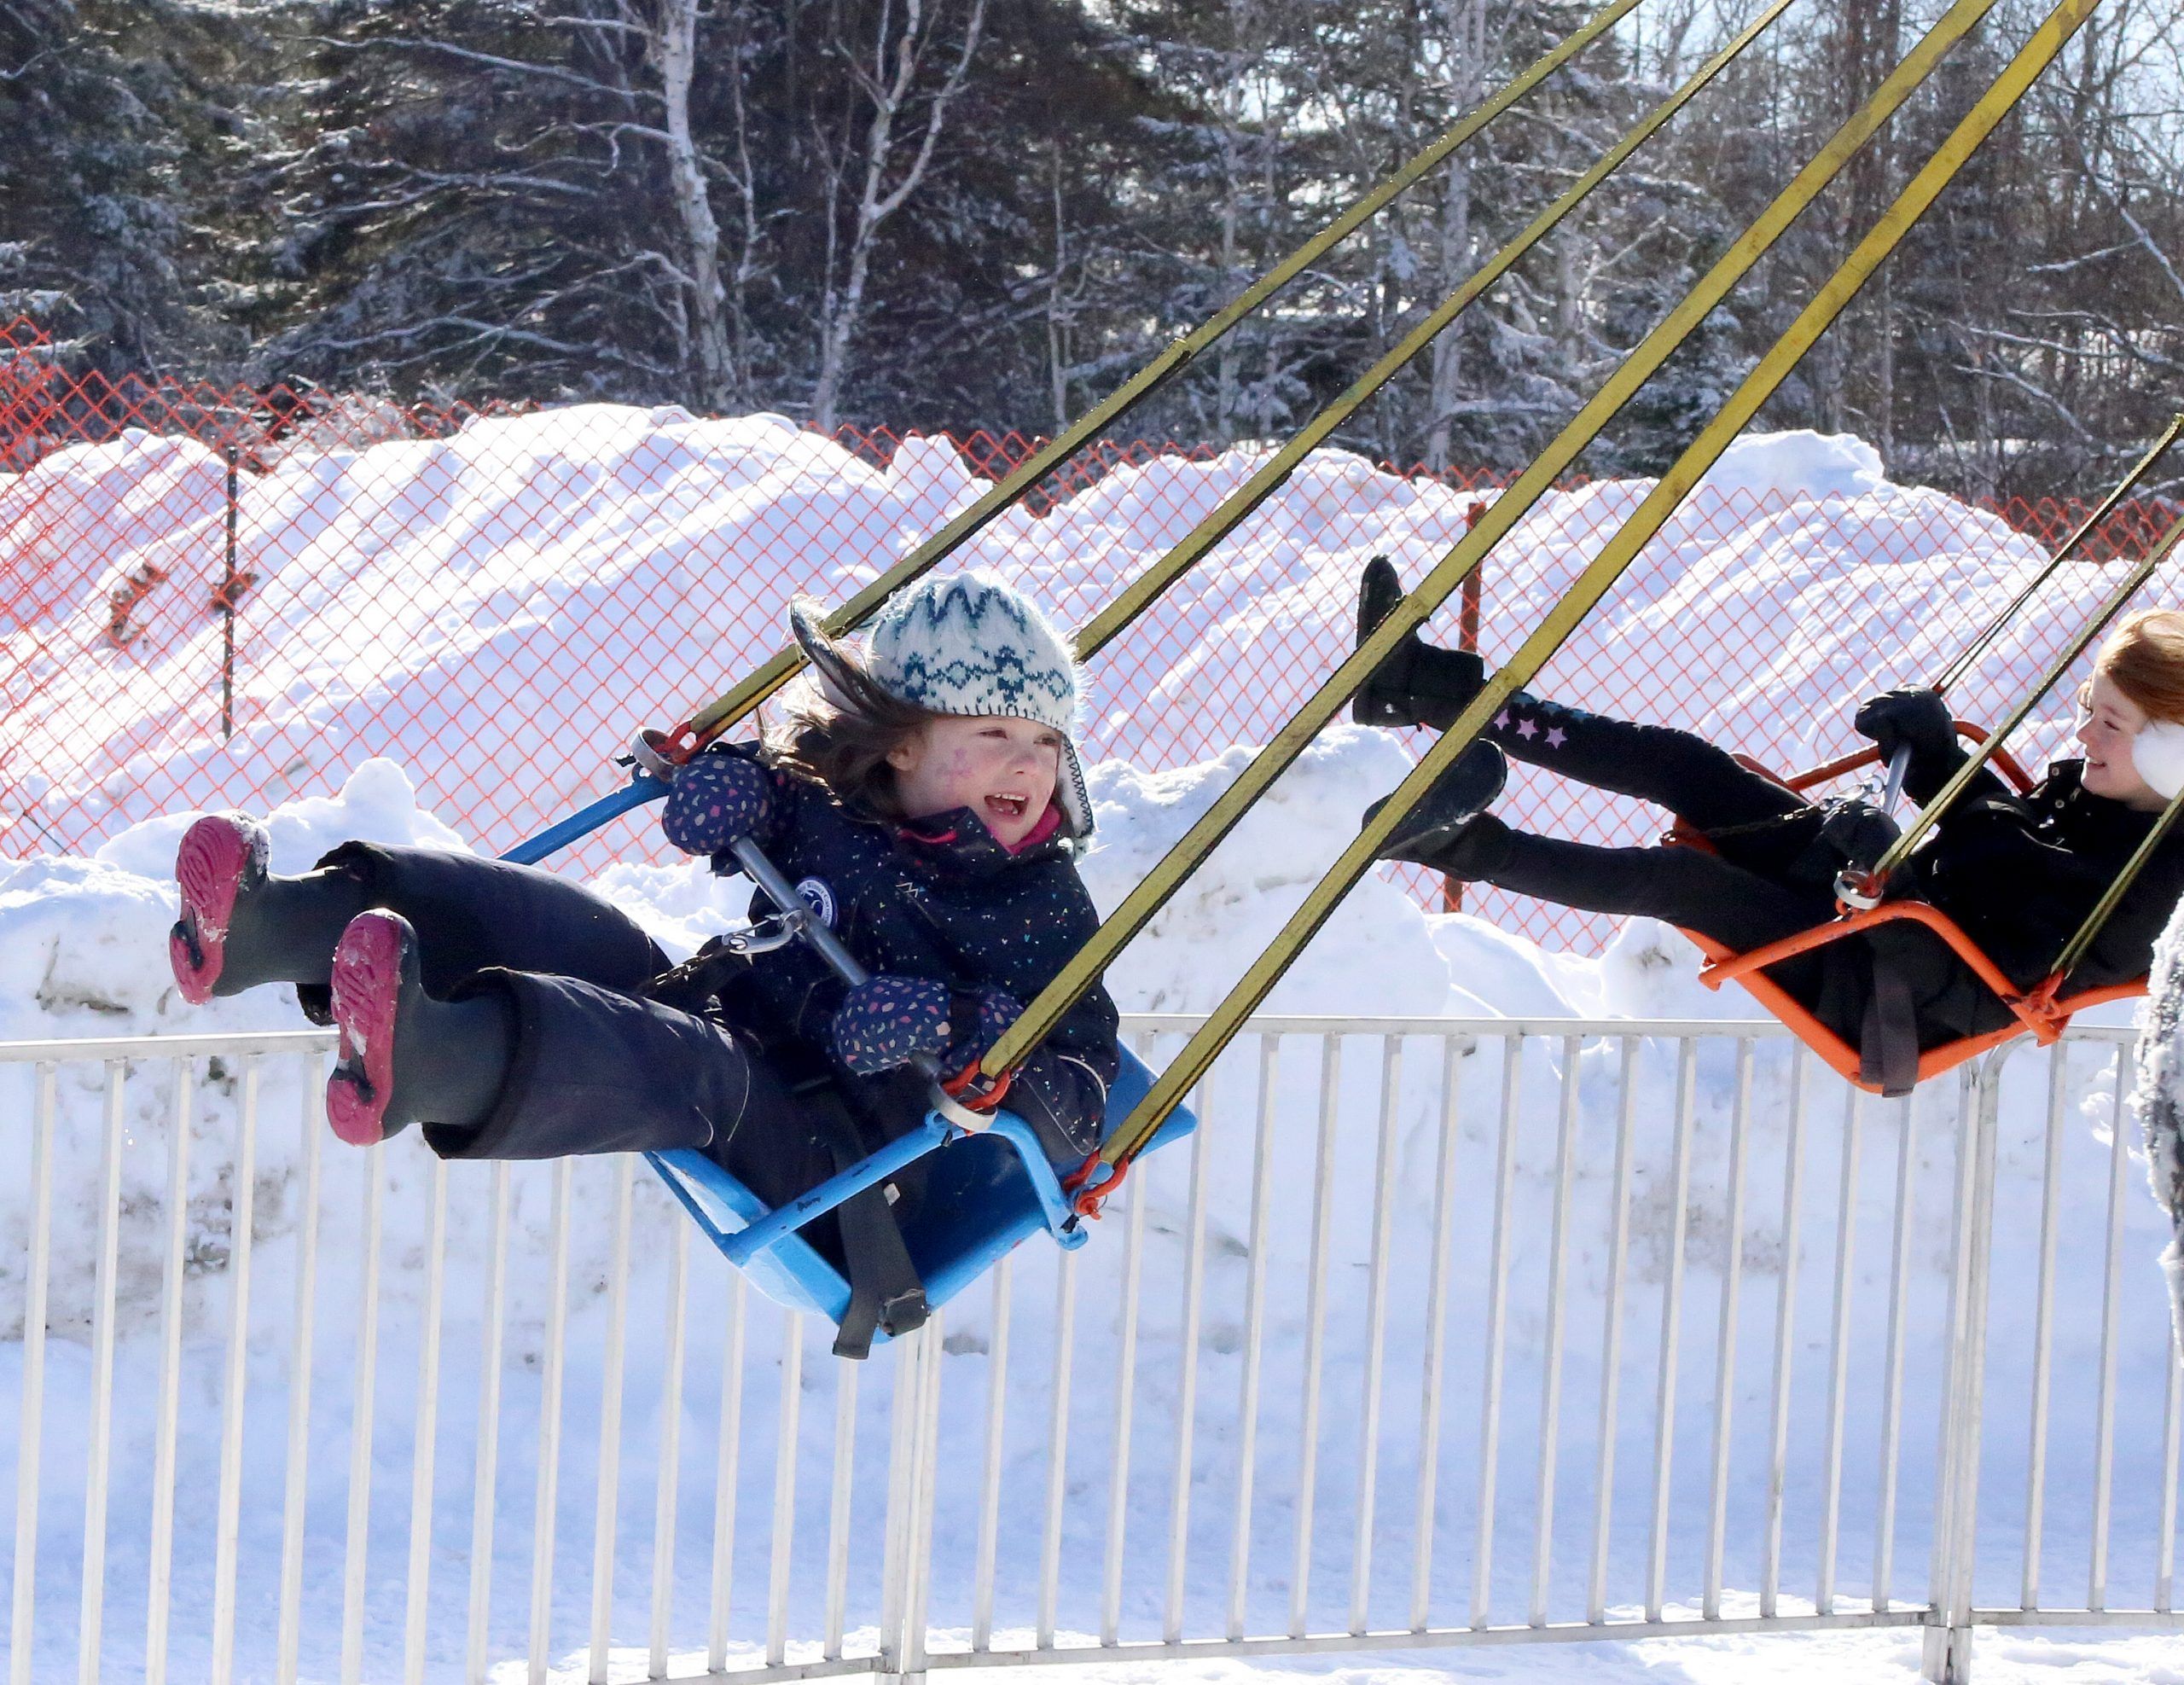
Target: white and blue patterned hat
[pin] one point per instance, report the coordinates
(968, 644)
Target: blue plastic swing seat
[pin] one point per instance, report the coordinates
(985, 1196)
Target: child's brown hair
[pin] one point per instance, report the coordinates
(2144, 658)
(836, 727)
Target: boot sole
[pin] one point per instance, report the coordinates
(1441, 817)
(366, 990)
(216, 854)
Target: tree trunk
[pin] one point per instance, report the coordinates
(1232, 196)
(1466, 21)
(675, 48)
(1057, 308)
(889, 86)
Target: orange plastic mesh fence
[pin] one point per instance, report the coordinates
(204, 592)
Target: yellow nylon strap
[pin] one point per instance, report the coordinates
(1138, 907)
(1199, 1053)
(1149, 586)
(725, 710)
(2091, 525)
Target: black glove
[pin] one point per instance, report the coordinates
(1914, 717)
(1856, 831)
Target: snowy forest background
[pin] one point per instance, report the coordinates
(985, 213)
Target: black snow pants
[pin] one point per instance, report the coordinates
(1748, 893)
(595, 1066)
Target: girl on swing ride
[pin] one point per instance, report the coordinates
(927, 794)
(2018, 873)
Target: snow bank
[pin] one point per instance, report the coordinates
(498, 610)
(1798, 463)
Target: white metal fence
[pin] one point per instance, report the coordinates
(1437, 1332)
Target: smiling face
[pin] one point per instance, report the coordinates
(2108, 722)
(1003, 768)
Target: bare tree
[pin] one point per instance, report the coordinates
(886, 165)
(1465, 57)
(671, 44)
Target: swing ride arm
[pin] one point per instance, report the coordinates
(1139, 907)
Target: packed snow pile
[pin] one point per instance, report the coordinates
(497, 611)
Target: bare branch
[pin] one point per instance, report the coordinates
(469, 55)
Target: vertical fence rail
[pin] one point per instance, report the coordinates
(361, 1421)
(170, 1404)
(242, 1220)
(1524, 1177)
(1619, 1240)
(296, 1475)
(1436, 1341)
(1785, 1319)
(92, 1606)
(1247, 1408)
(1179, 1511)
(30, 1436)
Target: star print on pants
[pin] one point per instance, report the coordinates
(1557, 738)
(1501, 720)
(1527, 729)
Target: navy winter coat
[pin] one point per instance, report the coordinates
(936, 897)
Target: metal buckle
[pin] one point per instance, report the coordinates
(648, 750)
(1857, 891)
(776, 930)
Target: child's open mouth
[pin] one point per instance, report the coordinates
(1006, 807)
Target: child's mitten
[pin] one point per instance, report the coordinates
(886, 1020)
(716, 800)
(1913, 715)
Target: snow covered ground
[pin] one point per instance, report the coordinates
(82, 954)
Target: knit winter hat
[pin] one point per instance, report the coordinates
(968, 644)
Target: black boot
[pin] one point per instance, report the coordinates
(1432, 832)
(240, 926)
(404, 1057)
(1419, 683)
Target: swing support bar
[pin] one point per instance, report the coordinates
(1143, 901)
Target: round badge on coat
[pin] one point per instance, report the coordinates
(820, 898)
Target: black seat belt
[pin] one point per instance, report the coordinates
(1888, 1039)
(885, 1292)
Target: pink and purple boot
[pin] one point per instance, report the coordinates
(406, 1056)
(222, 859)
(367, 966)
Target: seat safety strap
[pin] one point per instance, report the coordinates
(885, 1292)
(1888, 1039)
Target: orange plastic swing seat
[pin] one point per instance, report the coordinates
(2042, 1010)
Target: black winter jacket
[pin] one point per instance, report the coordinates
(2019, 874)
(937, 899)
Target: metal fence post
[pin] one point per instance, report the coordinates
(910, 1487)
(1947, 1657)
